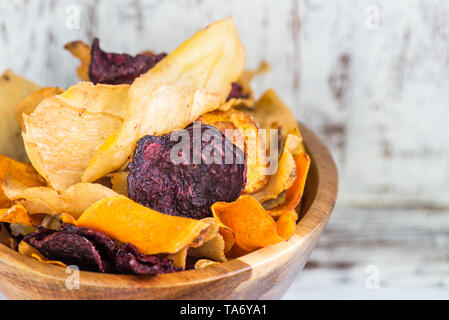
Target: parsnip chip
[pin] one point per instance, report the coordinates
(179, 258)
(18, 214)
(150, 231)
(251, 224)
(213, 249)
(293, 194)
(6, 238)
(192, 80)
(241, 129)
(203, 263)
(21, 172)
(74, 201)
(29, 251)
(81, 51)
(286, 224)
(12, 90)
(286, 171)
(61, 138)
(119, 182)
(31, 101)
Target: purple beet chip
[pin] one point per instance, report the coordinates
(237, 92)
(118, 68)
(91, 250)
(185, 172)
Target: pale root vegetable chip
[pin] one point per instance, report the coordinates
(214, 245)
(29, 251)
(6, 238)
(286, 224)
(61, 138)
(241, 129)
(74, 201)
(13, 89)
(81, 51)
(30, 102)
(192, 80)
(99, 98)
(203, 263)
(286, 171)
(18, 214)
(252, 225)
(179, 258)
(18, 171)
(150, 231)
(119, 182)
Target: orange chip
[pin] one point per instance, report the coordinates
(293, 194)
(236, 252)
(18, 214)
(286, 224)
(21, 172)
(252, 225)
(150, 231)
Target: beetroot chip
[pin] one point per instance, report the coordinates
(176, 178)
(237, 92)
(129, 260)
(119, 68)
(91, 250)
(70, 248)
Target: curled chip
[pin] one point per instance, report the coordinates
(94, 251)
(251, 224)
(118, 68)
(185, 177)
(150, 231)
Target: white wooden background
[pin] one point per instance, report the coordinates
(371, 77)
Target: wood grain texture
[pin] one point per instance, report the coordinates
(264, 274)
(377, 95)
(409, 247)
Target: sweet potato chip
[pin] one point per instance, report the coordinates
(61, 138)
(293, 194)
(30, 102)
(286, 171)
(21, 172)
(252, 226)
(192, 80)
(12, 90)
(81, 51)
(18, 214)
(150, 231)
(27, 250)
(286, 224)
(241, 129)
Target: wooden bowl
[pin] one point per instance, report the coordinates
(264, 274)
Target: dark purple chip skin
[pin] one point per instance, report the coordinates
(118, 68)
(176, 178)
(237, 92)
(91, 250)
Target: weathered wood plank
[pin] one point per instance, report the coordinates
(407, 248)
(377, 95)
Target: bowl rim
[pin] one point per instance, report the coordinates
(311, 223)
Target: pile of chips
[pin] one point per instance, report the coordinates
(87, 175)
